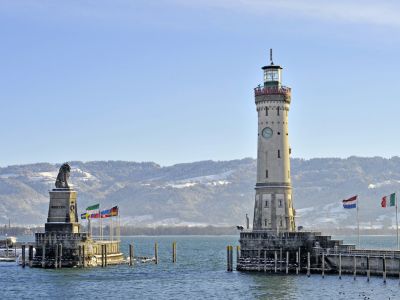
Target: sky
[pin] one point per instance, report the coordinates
(171, 81)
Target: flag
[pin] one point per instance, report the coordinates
(93, 207)
(94, 216)
(350, 203)
(87, 215)
(107, 213)
(114, 211)
(389, 200)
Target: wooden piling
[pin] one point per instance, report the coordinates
(384, 268)
(30, 255)
(368, 269)
(23, 255)
(55, 256)
(275, 261)
(287, 262)
(323, 265)
(297, 263)
(340, 265)
(228, 266)
(280, 260)
(265, 261)
(174, 252)
(231, 257)
(60, 248)
(102, 255)
(83, 256)
(237, 256)
(80, 256)
(105, 256)
(299, 259)
(156, 253)
(131, 255)
(354, 267)
(308, 264)
(44, 256)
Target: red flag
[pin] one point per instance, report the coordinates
(383, 202)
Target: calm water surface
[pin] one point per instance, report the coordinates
(198, 274)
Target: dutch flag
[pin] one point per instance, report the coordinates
(350, 203)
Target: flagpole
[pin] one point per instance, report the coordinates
(112, 230)
(358, 227)
(119, 228)
(101, 223)
(397, 223)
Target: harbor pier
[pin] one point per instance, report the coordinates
(311, 252)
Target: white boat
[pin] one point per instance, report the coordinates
(8, 251)
(148, 259)
(8, 259)
(7, 255)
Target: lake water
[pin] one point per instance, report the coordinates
(200, 273)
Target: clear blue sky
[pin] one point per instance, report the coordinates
(172, 81)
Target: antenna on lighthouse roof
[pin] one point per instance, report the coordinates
(270, 56)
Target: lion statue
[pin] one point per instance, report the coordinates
(63, 176)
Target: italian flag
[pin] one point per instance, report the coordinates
(93, 207)
(389, 200)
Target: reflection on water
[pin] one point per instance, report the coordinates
(198, 273)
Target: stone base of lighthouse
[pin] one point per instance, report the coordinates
(270, 251)
(273, 209)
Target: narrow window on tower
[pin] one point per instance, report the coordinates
(266, 222)
(266, 158)
(266, 111)
(277, 111)
(280, 203)
(266, 203)
(266, 173)
(279, 153)
(281, 222)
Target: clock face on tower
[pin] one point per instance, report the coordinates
(266, 132)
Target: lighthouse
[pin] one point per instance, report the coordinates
(273, 208)
(274, 231)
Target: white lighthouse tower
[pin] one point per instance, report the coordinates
(273, 209)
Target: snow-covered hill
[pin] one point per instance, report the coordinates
(206, 192)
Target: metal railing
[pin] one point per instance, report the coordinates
(358, 252)
(272, 90)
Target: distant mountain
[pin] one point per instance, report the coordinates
(206, 192)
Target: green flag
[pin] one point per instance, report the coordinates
(392, 199)
(93, 207)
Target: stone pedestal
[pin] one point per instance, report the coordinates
(62, 244)
(63, 212)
